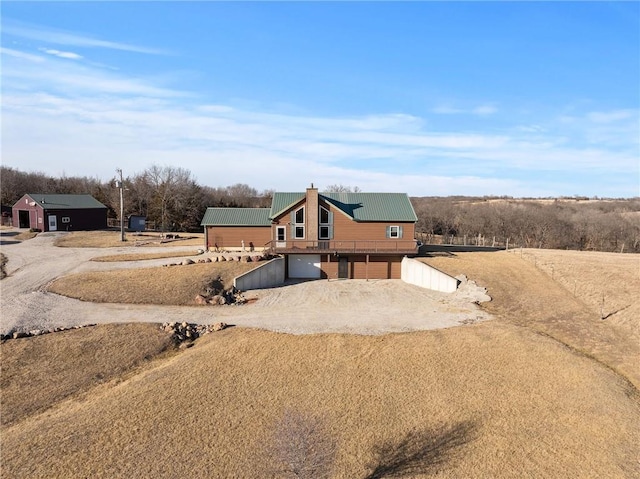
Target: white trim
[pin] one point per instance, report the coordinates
(295, 225)
(281, 243)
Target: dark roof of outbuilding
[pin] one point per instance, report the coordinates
(65, 202)
(236, 217)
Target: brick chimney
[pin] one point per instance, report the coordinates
(312, 214)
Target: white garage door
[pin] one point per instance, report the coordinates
(304, 266)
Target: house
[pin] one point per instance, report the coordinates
(59, 213)
(323, 235)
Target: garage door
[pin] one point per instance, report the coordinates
(304, 266)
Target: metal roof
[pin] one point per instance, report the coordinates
(373, 206)
(236, 217)
(284, 201)
(65, 202)
(359, 206)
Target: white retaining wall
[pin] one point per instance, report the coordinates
(421, 274)
(267, 275)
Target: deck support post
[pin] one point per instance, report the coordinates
(366, 268)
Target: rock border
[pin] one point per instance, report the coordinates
(40, 332)
(188, 332)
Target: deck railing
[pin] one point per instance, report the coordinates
(333, 246)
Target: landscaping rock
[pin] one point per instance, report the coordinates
(200, 299)
(187, 261)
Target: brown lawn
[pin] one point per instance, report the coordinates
(176, 285)
(114, 258)
(109, 239)
(498, 399)
(42, 371)
(525, 294)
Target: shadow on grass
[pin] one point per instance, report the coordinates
(420, 452)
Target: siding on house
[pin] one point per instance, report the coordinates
(358, 232)
(346, 229)
(231, 237)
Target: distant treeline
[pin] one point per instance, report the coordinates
(565, 223)
(169, 197)
(172, 199)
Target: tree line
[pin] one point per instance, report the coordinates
(563, 223)
(172, 199)
(168, 196)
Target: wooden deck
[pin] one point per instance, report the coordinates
(343, 247)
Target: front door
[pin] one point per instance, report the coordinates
(281, 237)
(343, 268)
(53, 223)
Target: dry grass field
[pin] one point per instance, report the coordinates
(525, 294)
(497, 401)
(161, 285)
(114, 258)
(109, 239)
(48, 369)
(543, 391)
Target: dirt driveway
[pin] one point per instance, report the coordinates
(352, 306)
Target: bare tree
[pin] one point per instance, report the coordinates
(339, 188)
(169, 190)
(303, 446)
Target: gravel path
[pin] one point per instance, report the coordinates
(352, 306)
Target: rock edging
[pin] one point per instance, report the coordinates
(183, 332)
(39, 332)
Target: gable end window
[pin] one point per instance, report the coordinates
(325, 229)
(297, 223)
(394, 232)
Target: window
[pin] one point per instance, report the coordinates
(394, 232)
(325, 231)
(324, 216)
(297, 220)
(280, 233)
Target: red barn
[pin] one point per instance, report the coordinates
(59, 213)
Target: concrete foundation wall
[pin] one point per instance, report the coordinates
(425, 276)
(268, 275)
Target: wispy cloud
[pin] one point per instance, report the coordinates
(61, 54)
(611, 116)
(60, 37)
(20, 54)
(480, 110)
(86, 121)
(52, 74)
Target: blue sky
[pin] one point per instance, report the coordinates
(428, 98)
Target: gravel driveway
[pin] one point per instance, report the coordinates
(352, 306)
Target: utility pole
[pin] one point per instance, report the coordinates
(120, 185)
